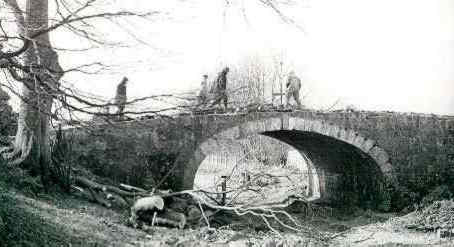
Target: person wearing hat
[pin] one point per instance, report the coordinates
(293, 89)
(203, 93)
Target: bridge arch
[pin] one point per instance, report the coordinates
(351, 168)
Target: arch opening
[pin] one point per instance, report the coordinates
(260, 169)
(351, 170)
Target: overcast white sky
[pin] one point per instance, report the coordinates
(375, 54)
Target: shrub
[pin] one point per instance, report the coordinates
(62, 160)
(439, 193)
(263, 149)
(8, 118)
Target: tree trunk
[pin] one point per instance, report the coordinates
(32, 144)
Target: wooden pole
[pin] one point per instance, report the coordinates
(280, 81)
(224, 189)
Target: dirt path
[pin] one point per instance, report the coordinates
(389, 233)
(93, 225)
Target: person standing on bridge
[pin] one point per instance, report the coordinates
(293, 89)
(203, 93)
(120, 97)
(220, 88)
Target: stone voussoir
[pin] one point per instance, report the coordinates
(272, 124)
(292, 123)
(367, 145)
(379, 155)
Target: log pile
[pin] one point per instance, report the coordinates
(187, 208)
(107, 195)
(148, 208)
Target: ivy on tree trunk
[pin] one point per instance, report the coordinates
(32, 143)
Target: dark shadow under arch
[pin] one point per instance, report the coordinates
(348, 176)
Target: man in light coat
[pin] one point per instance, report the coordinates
(293, 89)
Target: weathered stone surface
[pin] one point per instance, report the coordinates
(300, 124)
(316, 126)
(350, 137)
(343, 134)
(367, 145)
(285, 122)
(358, 141)
(386, 168)
(333, 131)
(272, 124)
(292, 123)
(379, 154)
(232, 133)
(386, 137)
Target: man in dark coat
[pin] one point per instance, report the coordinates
(203, 93)
(220, 93)
(120, 97)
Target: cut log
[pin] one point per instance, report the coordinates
(99, 199)
(119, 200)
(88, 183)
(166, 222)
(166, 218)
(131, 188)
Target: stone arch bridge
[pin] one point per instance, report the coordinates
(357, 155)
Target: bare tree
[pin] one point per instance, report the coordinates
(35, 65)
(256, 79)
(41, 61)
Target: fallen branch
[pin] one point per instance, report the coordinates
(103, 194)
(169, 217)
(264, 212)
(365, 239)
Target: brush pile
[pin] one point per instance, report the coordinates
(438, 215)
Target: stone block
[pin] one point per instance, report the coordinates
(272, 124)
(316, 126)
(359, 141)
(301, 124)
(249, 128)
(333, 131)
(350, 138)
(325, 129)
(445, 233)
(260, 126)
(308, 125)
(342, 134)
(386, 168)
(379, 155)
(292, 122)
(367, 145)
(285, 122)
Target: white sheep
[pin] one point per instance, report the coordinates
(145, 204)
